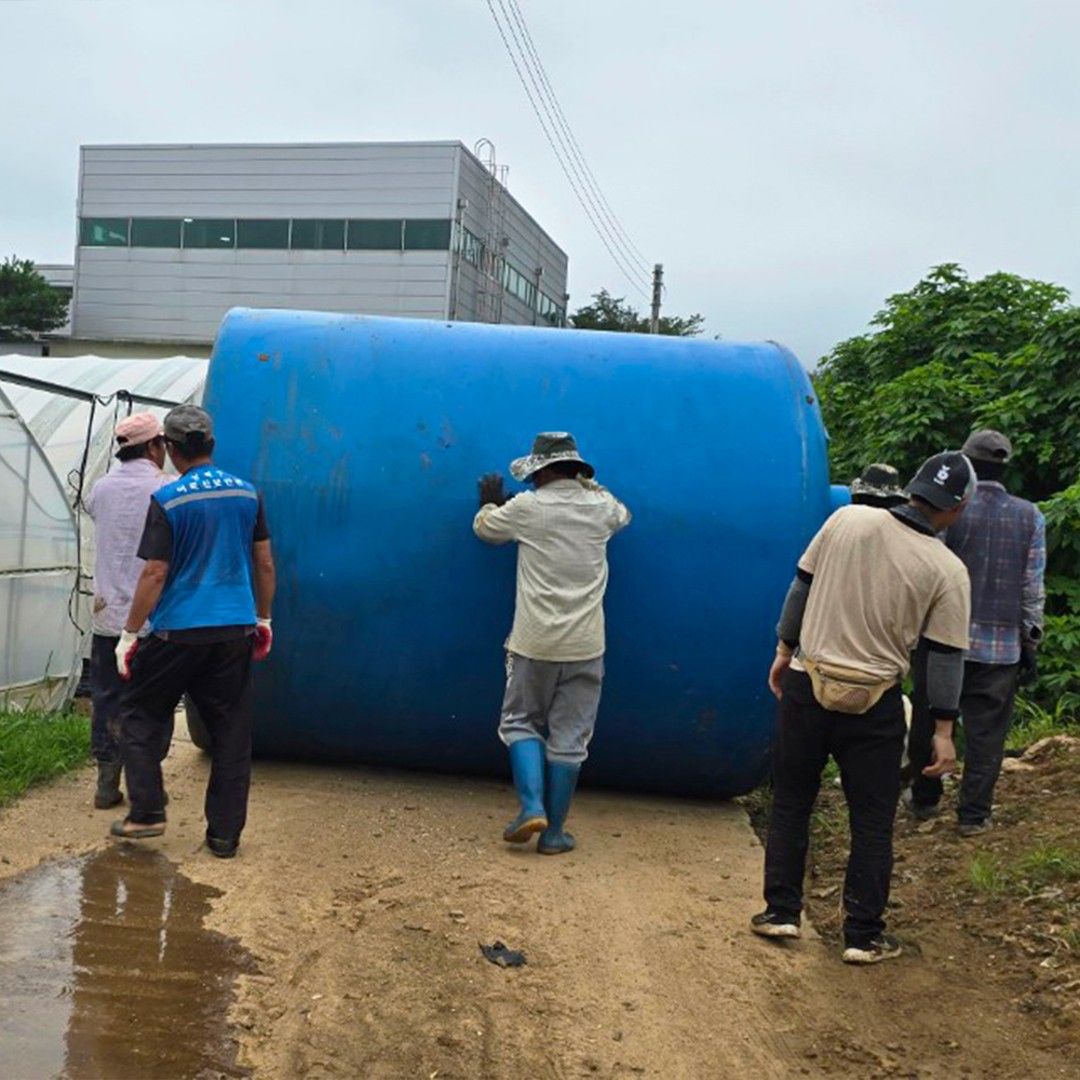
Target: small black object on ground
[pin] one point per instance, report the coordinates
(501, 956)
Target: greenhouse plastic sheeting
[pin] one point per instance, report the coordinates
(44, 535)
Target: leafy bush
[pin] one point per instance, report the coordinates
(951, 356)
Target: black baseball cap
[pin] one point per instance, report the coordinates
(944, 481)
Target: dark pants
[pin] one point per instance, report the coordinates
(868, 749)
(106, 690)
(986, 704)
(217, 677)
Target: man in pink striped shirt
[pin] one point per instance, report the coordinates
(118, 503)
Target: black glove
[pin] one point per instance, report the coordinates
(1029, 665)
(492, 489)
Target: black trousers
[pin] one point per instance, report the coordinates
(986, 704)
(217, 677)
(106, 692)
(868, 749)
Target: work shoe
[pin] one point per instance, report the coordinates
(108, 785)
(924, 811)
(773, 924)
(223, 849)
(561, 781)
(881, 948)
(527, 765)
(968, 829)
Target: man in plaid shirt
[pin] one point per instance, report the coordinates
(1001, 539)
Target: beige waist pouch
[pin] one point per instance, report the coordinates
(844, 689)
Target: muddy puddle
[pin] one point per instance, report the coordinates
(107, 970)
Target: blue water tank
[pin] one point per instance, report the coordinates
(367, 436)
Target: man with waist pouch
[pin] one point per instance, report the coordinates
(871, 585)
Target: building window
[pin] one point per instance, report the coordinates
(427, 235)
(209, 233)
(317, 235)
(375, 235)
(262, 233)
(155, 232)
(470, 246)
(103, 232)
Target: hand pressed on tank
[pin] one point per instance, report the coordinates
(492, 489)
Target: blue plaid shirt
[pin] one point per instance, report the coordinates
(994, 644)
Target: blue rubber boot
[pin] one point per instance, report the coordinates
(527, 765)
(561, 781)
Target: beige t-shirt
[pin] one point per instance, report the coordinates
(562, 530)
(879, 585)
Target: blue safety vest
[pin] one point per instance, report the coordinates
(212, 515)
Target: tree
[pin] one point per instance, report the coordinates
(608, 312)
(953, 355)
(29, 305)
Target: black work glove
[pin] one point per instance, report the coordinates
(1029, 665)
(492, 489)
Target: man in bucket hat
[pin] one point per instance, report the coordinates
(879, 485)
(117, 503)
(555, 652)
(1002, 542)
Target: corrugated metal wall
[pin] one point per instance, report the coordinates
(128, 293)
(529, 247)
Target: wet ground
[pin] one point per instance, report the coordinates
(107, 970)
(364, 894)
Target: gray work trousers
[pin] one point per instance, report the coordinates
(554, 702)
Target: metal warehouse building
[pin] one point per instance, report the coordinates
(171, 237)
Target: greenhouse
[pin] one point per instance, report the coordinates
(56, 422)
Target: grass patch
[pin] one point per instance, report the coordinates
(36, 746)
(1041, 867)
(1032, 723)
(987, 874)
(1049, 865)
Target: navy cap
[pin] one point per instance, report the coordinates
(945, 480)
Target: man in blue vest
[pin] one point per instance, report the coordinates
(1002, 542)
(207, 588)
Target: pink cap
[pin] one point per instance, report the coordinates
(137, 429)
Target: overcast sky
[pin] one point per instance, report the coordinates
(791, 163)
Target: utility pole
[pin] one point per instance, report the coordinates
(657, 287)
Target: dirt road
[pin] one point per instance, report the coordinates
(363, 896)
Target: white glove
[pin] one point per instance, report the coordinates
(125, 650)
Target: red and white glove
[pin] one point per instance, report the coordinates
(264, 639)
(125, 650)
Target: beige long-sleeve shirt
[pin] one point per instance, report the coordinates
(561, 530)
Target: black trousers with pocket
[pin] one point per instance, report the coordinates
(986, 705)
(106, 693)
(217, 677)
(868, 749)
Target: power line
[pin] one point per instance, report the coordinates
(601, 231)
(626, 243)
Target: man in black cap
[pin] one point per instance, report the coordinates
(868, 586)
(555, 652)
(1002, 542)
(206, 589)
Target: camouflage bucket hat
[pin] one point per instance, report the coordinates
(548, 448)
(880, 481)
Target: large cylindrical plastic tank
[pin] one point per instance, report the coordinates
(367, 436)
